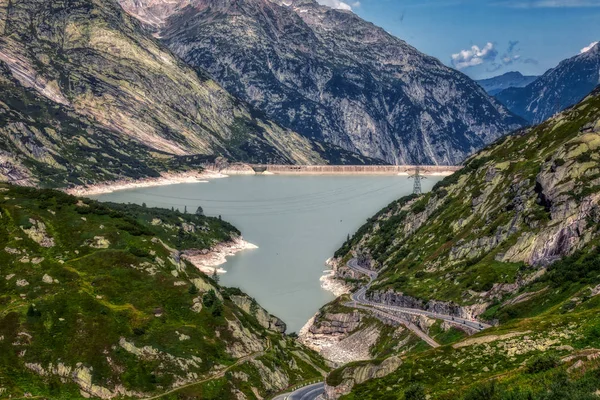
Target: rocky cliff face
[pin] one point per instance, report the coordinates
(266, 320)
(557, 89)
(330, 75)
(356, 375)
(83, 77)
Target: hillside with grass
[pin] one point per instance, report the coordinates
(97, 300)
(481, 234)
(512, 240)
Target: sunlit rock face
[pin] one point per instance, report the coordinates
(330, 75)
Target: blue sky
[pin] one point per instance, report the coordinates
(529, 36)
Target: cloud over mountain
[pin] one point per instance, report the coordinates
(474, 56)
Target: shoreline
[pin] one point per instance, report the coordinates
(209, 261)
(174, 178)
(164, 180)
(331, 283)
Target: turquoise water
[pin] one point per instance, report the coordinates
(297, 222)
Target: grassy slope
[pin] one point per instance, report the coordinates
(109, 276)
(484, 226)
(546, 346)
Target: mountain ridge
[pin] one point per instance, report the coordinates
(330, 75)
(496, 84)
(512, 239)
(560, 87)
(108, 75)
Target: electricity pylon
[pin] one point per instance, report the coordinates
(417, 189)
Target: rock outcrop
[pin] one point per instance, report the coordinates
(355, 375)
(268, 321)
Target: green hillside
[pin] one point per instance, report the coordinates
(512, 239)
(96, 300)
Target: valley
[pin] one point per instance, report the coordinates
(297, 222)
(280, 199)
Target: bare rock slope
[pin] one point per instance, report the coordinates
(330, 75)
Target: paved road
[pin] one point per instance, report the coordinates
(360, 297)
(306, 393)
(415, 329)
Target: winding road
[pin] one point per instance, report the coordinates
(306, 393)
(360, 297)
(359, 300)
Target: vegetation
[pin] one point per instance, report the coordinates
(98, 294)
(500, 234)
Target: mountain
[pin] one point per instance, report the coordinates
(331, 76)
(87, 78)
(557, 89)
(512, 240)
(514, 79)
(98, 300)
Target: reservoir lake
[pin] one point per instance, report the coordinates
(297, 222)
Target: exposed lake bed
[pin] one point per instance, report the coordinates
(296, 223)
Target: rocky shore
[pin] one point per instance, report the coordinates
(164, 180)
(208, 261)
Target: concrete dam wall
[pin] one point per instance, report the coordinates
(253, 169)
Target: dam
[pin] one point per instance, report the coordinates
(278, 169)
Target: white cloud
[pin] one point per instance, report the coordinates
(588, 48)
(474, 56)
(338, 4)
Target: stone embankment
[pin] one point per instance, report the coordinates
(395, 299)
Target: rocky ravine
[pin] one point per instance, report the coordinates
(330, 75)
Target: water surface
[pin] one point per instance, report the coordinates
(297, 222)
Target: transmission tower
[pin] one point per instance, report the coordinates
(417, 177)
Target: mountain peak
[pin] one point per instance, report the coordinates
(559, 88)
(332, 76)
(513, 79)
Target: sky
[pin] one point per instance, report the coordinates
(485, 38)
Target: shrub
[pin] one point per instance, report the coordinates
(193, 290)
(541, 363)
(483, 391)
(415, 392)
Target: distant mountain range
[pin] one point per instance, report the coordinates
(331, 76)
(557, 89)
(514, 79)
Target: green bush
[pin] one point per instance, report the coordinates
(415, 391)
(541, 363)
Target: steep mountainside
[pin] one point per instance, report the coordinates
(495, 85)
(557, 89)
(512, 239)
(83, 76)
(97, 300)
(330, 75)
